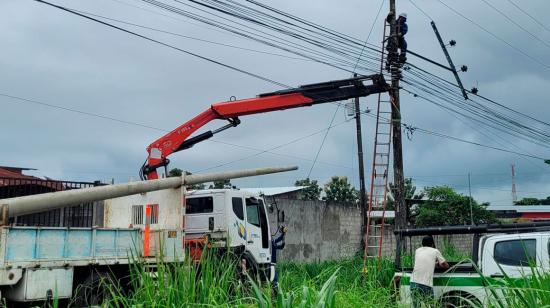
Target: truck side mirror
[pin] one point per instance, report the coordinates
(270, 208)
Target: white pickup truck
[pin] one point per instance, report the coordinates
(498, 250)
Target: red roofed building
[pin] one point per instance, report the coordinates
(13, 183)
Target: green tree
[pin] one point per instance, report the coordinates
(445, 207)
(175, 172)
(533, 201)
(221, 184)
(178, 172)
(410, 193)
(338, 189)
(311, 192)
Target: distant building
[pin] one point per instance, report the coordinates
(291, 192)
(14, 183)
(521, 212)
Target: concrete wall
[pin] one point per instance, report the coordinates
(320, 232)
(317, 231)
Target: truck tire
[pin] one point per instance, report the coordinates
(94, 290)
(460, 300)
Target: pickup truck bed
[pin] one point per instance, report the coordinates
(456, 267)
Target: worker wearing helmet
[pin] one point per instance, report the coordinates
(402, 29)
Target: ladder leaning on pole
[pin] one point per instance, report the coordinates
(374, 230)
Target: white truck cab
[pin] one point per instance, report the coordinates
(233, 218)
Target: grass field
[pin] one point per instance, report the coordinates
(214, 284)
(327, 284)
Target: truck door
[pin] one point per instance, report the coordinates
(512, 254)
(257, 241)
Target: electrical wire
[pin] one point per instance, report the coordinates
(421, 10)
(517, 49)
(516, 23)
(529, 15)
(166, 45)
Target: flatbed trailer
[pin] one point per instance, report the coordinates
(33, 259)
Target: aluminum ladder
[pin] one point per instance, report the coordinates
(374, 230)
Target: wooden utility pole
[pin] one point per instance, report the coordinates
(398, 177)
(362, 190)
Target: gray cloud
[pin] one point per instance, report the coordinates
(65, 60)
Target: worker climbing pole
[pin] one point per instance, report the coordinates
(395, 65)
(388, 132)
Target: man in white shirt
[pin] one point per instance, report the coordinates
(426, 258)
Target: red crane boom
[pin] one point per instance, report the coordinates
(306, 95)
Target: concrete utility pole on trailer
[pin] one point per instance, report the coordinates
(398, 177)
(18, 206)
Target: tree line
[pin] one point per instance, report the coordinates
(433, 206)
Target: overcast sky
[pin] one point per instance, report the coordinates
(57, 58)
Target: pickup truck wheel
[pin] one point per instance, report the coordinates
(460, 300)
(94, 290)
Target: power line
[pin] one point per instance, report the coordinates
(515, 23)
(140, 35)
(96, 115)
(368, 36)
(495, 36)
(530, 16)
(131, 123)
(323, 141)
(189, 37)
(441, 135)
(262, 37)
(272, 148)
(476, 143)
(165, 44)
(421, 10)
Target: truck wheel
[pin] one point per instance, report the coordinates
(94, 290)
(460, 300)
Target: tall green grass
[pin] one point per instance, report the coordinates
(331, 284)
(532, 289)
(215, 284)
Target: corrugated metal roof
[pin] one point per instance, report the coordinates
(272, 191)
(6, 173)
(520, 208)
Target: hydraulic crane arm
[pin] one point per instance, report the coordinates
(306, 95)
